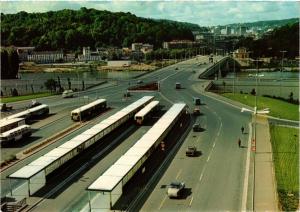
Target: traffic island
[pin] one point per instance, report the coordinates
(152, 86)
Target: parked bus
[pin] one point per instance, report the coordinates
(15, 134)
(88, 110)
(8, 124)
(142, 114)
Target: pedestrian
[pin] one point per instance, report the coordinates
(242, 129)
(239, 142)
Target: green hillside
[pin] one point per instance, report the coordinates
(71, 29)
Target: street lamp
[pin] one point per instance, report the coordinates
(255, 112)
(282, 51)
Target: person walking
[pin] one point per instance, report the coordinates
(239, 142)
(242, 129)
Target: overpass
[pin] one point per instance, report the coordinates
(220, 68)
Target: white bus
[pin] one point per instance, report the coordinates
(15, 134)
(142, 114)
(88, 110)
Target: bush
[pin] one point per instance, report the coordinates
(253, 92)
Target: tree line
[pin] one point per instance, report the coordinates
(9, 63)
(285, 38)
(74, 29)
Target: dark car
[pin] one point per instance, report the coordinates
(191, 151)
(196, 127)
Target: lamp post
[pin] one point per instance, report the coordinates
(282, 51)
(255, 112)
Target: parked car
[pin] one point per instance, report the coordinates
(177, 85)
(175, 189)
(191, 151)
(139, 81)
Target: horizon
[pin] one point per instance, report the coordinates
(202, 13)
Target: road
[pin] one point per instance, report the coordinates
(214, 180)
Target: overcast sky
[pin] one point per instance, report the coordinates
(204, 13)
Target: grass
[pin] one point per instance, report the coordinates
(285, 147)
(278, 108)
(25, 97)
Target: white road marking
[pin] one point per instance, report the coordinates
(178, 174)
(162, 202)
(208, 158)
(246, 178)
(214, 145)
(201, 177)
(191, 201)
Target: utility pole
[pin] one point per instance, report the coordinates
(282, 51)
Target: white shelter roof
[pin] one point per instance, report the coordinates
(105, 183)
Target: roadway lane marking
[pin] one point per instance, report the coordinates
(162, 202)
(191, 201)
(201, 177)
(246, 178)
(178, 174)
(209, 157)
(214, 145)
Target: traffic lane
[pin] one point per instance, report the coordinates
(182, 168)
(77, 190)
(224, 175)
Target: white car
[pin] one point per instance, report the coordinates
(67, 94)
(175, 189)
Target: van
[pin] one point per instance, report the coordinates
(177, 85)
(67, 94)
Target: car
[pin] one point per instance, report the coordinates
(196, 127)
(177, 85)
(176, 68)
(139, 81)
(175, 189)
(67, 94)
(196, 111)
(191, 151)
(34, 103)
(5, 107)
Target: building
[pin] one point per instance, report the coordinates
(241, 53)
(141, 47)
(136, 46)
(86, 51)
(23, 52)
(146, 48)
(242, 30)
(46, 57)
(181, 44)
(228, 30)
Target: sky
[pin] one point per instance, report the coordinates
(203, 13)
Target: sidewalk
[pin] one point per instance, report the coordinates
(265, 194)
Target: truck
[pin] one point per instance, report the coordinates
(177, 85)
(191, 151)
(197, 100)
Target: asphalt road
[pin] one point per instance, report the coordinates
(214, 179)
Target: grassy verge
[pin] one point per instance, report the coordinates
(25, 97)
(285, 147)
(277, 107)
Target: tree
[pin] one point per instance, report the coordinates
(51, 84)
(253, 92)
